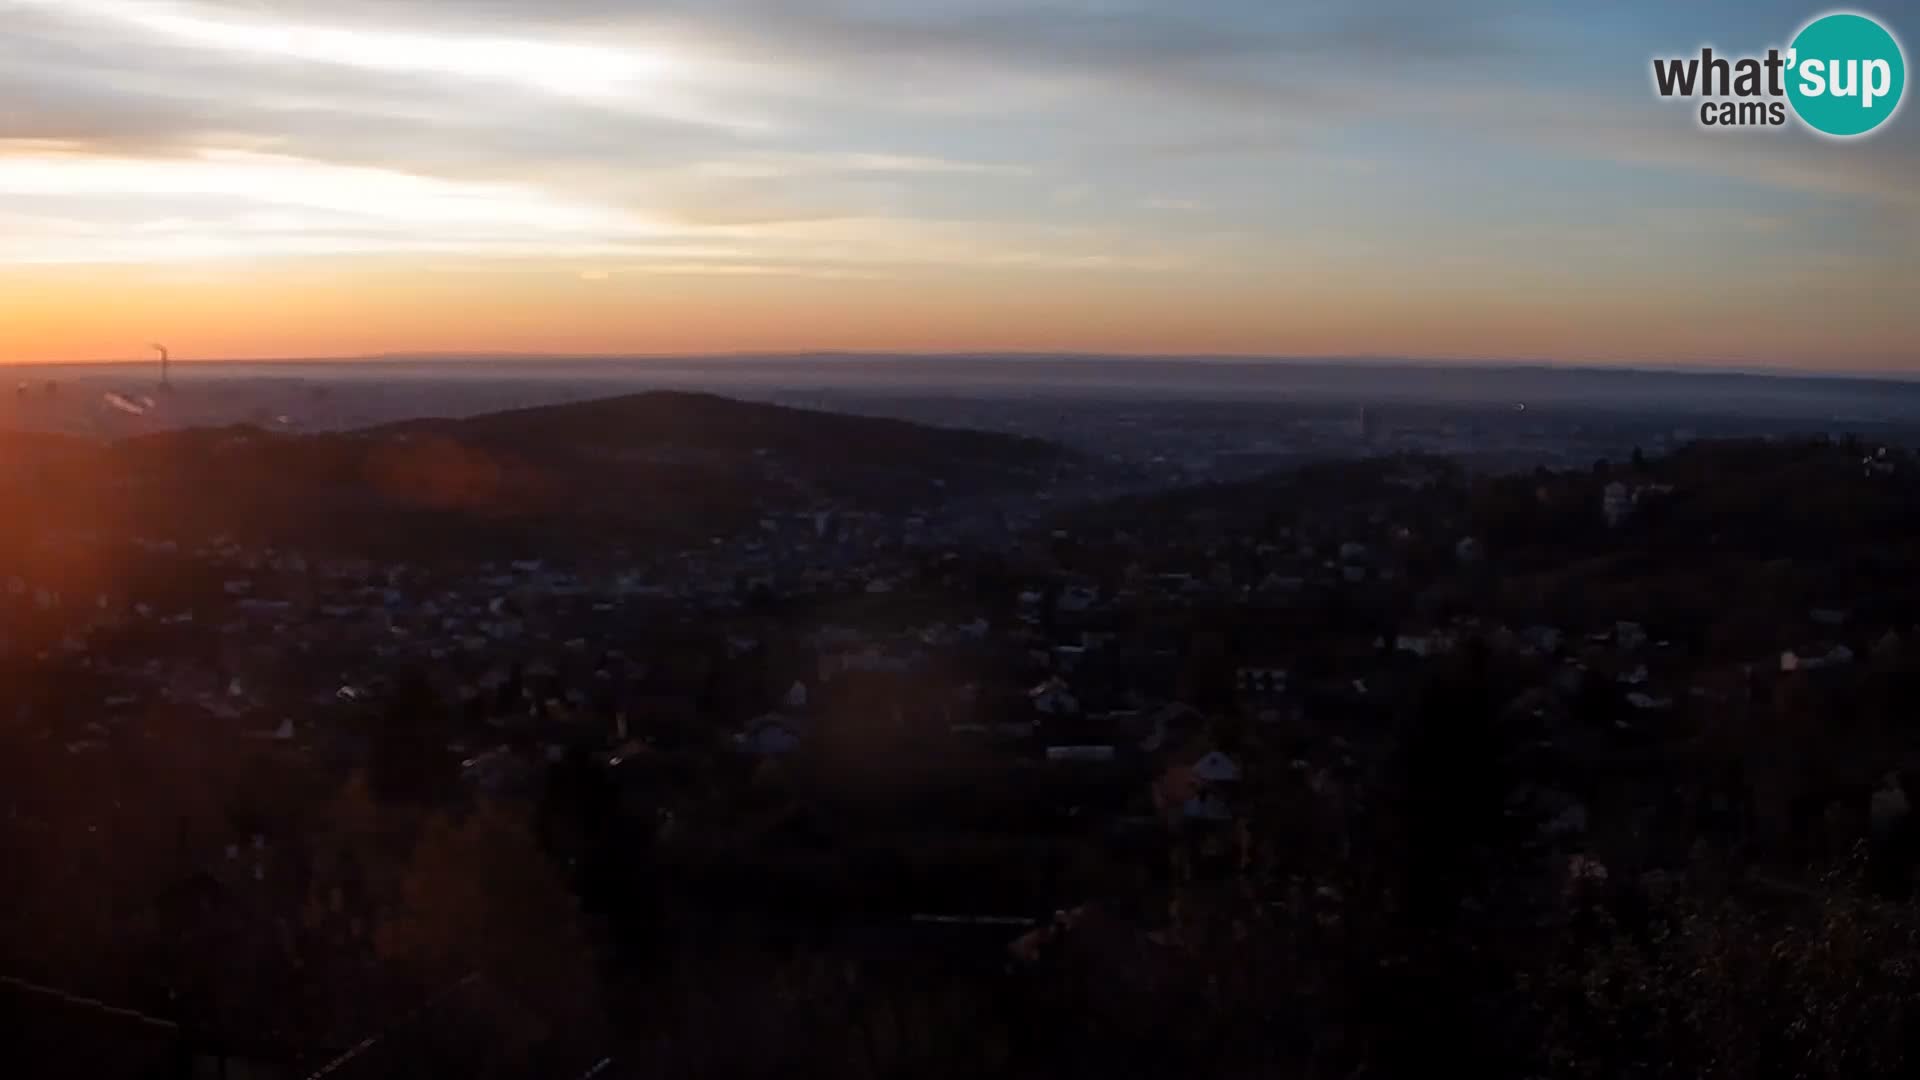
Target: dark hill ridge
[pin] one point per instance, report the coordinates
(674, 420)
(699, 450)
(642, 469)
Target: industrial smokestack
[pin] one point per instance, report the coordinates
(166, 385)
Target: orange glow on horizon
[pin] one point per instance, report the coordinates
(308, 311)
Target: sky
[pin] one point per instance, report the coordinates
(1484, 180)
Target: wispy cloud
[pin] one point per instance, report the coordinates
(222, 204)
(785, 165)
(648, 77)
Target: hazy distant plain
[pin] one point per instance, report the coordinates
(333, 394)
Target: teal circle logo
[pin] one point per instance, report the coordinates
(1845, 74)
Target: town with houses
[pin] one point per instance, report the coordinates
(1089, 757)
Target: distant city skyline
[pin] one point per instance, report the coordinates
(1486, 181)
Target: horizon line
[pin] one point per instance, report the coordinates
(1696, 368)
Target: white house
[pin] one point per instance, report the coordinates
(1616, 505)
(1078, 598)
(1206, 807)
(1431, 643)
(1091, 754)
(1544, 639)
(1889, 806)
(1216, 768)
(1834, 657)
(1629, 635)
(769, 736)
(1054, 698)
(1261, 681)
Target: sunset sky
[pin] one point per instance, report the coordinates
(1489, 180)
